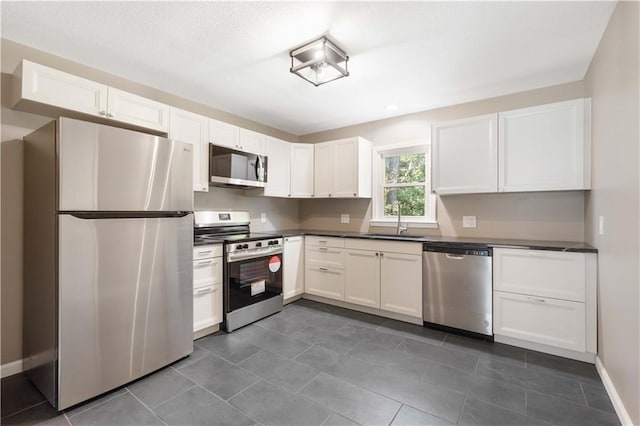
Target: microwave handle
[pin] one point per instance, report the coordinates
(257, 167)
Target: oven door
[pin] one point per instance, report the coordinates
(252, 279)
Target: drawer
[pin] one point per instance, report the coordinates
(385, 246)
(207, 306)
(559, 275)
(311, 240)
(207, 271)
(325, 256)
(552, 322)
(325, 282)
(209, 250)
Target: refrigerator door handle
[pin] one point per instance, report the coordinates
(125, 215)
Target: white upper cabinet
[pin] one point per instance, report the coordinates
(343, 168)
(50, 89)
(546, 147)
(302, 166)
(465, 155)
(186, 126)
(133, 109)
(224, 134)
(542, 148)
(253, 142)
(278, 167)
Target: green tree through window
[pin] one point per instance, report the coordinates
(404, 184)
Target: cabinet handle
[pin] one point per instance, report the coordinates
(377, 254)
(535, 299)
(205, 262)
(329, 195)
(204, 251)
(103, 112)
(354, 194)
(110, 115)
(205, 290)
(324, 269)
(381, 254)
(322, 241)
(288, 195)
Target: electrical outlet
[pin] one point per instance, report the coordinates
(263, 217)
(344, 218)
(601, 225)
(468, 221)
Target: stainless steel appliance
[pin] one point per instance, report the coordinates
(108, 237)
(238, 169)
(253, 266)
(457, 287)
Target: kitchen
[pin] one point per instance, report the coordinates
(556, 216)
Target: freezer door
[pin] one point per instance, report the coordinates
(125, 300)
(104, 168)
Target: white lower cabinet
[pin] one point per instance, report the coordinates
(325, 282)
(293, 269)
(546, 301)
(207, 287)
(362, 278)
(552, 322)
(384, 275)
(401, 283)
(207, 306)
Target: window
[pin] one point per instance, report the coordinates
(402, 178)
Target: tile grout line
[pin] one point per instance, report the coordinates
(584, 395)
(195, 385)
(25, 409)
(146, 406)
(396, 414)
(464, 403)
(112, 397)
(231, 405)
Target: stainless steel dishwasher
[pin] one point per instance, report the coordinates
(457, 287)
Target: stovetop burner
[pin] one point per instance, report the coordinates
(227, 227)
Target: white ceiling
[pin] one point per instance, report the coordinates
(234, 56)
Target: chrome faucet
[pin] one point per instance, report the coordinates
(400, 229)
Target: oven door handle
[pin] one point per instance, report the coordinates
(235, 257)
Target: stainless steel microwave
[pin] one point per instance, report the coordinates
(236, 169)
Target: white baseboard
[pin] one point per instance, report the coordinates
(622, 413)
(11, 368)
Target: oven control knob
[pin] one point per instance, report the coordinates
(275, 242)
(258, 244)
(245, 246)
(239, 247)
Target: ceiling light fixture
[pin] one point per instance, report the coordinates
(319, 61)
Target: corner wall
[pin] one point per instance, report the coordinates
(613, 83)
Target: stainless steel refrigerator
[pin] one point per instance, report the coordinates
(108, 237)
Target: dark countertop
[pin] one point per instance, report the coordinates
(570, 246)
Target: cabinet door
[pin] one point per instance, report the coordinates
(344, 172)
(541, 320)
(207, 306)
(301, 170)
(545, 273)
(323, 170)
(401, 283)
(465, 155)
(293, 273)
(251, 141)
(52, 87)
(133, 109)
(186, 126)
(278, 166)
(362, 278)
(325, 282)
(543, 148)
(224, 134)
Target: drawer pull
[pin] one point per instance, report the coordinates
(322, 241)
(324, 269)
(204, 252)
(535, 299)
(323, 249)
(205, 262)
(205, 290)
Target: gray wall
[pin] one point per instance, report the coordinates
(16, 124)
(613, 83)
(540, 216)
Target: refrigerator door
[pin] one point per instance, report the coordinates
(104, 168)
(125, 300)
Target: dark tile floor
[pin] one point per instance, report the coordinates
(315, 364)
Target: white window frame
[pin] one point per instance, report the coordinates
(410, 147)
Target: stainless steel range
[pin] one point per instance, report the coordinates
(253, 266)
